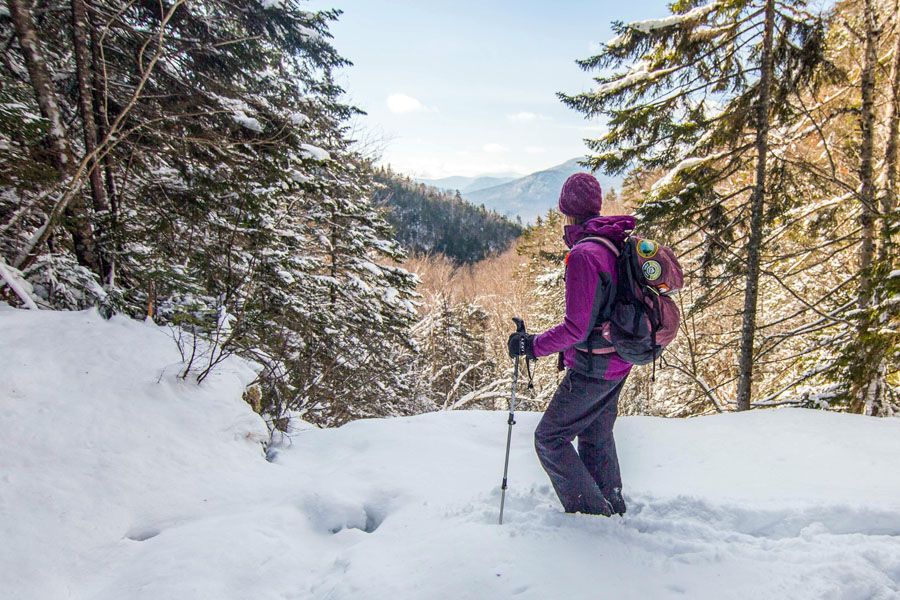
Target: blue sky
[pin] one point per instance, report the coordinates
(465, 87)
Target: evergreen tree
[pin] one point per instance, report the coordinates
(706, 87)
(204, 154)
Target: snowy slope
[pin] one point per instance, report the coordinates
(119, 481)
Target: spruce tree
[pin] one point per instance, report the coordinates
(229, 200)
(705, 88)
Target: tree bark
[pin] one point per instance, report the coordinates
(101, 120)
(76, 218)
(866, 152)
(868, 389)
(85, 79)
(757, 202)
(889, 198)
(39, 74)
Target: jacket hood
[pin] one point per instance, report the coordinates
(615, 229)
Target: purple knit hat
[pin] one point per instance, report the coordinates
(581, 196)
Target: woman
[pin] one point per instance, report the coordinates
(585, 404)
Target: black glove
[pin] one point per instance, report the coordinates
(517, 348)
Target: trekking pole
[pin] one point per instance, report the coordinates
(520, 328)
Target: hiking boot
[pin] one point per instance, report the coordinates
(616, 501)
(602, 508)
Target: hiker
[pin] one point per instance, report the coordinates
(586, 403)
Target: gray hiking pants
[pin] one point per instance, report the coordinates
(585, 408)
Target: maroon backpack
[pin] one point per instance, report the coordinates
(640, 318)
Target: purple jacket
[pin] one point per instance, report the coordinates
(583, 281)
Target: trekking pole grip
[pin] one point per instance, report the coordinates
(520, 325)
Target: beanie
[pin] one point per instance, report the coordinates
(581, 196)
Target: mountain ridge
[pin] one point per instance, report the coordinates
(533, 195)
(468, 184)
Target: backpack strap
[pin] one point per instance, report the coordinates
(601, 240)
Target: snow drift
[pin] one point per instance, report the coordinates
(119, 480)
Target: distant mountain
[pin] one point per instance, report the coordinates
(468, 184)
(481, 183)
(532, 195)
(448, 183)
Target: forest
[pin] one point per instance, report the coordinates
(428, 221)
(193, 163)
(241, 357)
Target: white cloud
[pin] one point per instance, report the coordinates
(524, 117)
(401, 103)
(494, 148)
(535, 150)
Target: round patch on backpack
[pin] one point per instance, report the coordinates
(652, 270)
(647, 248)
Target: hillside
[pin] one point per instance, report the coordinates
(532, 195)
(426, 220)
(120, 480)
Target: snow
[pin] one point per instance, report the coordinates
(692, 15)
(315, 152)
(653, 24)
(616, 41)
(310, 33)
(298, 118)
(639, 73)
(392, 295)
(687, 163)
(21, 287)
(251, 123)
(119, 480)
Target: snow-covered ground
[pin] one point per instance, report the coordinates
(120, 481)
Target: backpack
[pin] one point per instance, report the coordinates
(640, 318)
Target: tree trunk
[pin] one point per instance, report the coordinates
(20, 13)
(889, 198)
(85, 80)
(76, 217)
(101, 120)
(866, 154)
(333, 255)
(876, 401)
(867, 391)
(757, 201)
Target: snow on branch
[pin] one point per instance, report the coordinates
(670, 21)
(488, 392)
(639, 73)
(310, 151)
(459, 379)
(687, 163)
(692, 15)
(18, 285)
